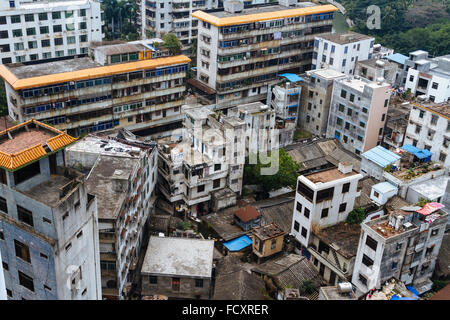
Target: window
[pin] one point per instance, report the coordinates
(304, 232)
(371, 243)
(364, 110)
(68, 246)
(325, 194)
(362, 124)
(3, 205)
(299, 207)
(71, 40)
(296, 226)
(399, 246)
(352, 97)
(56, 15)
(15, 19)
(153, 280)
(217, 167)
(434, 232)
(83, 38)
(26, 216)
(45, 43)
(434, 119)
(421, 113)
(176, 284)
(305, 191)
(349, 112)
(342, 207)
(199, 283)
(32, 44)
(434, 85)
(376, 194)
(383, 117)
(362, 279)
(344, 62)
(43, 256)
(343, 93)
(346, 187)
(57, 28)
(367, 261)
(324, 213)
(58, 41)
(47, 288)
(22, 251)
(9, 293)
(306, 213)
(46, 220)
(216, 183)
(80, 234)
(26, 281)
(69, 14)
(17, 33)
(43, 16)
(201, 188)
(394, 265)
(5, 266)
(29, 17)
(341, 107)
(2, 235)
(43, 30)
(31, 31)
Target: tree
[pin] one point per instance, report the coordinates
(307, 287)
(356, 216)
(172, 43)
(286, 175)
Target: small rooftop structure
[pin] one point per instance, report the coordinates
(384, 187)
(292, 77)
(328, 175)
(28, 142)
(420, 154)
(247, 213)
(268, 231)
(335, 293)
(397, 57)
(430, 189)
(381, 156)
(184, 257)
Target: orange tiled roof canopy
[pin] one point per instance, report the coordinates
(19, 150)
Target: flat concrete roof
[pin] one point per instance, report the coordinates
(100, 183)
(185, 257)
(328, 175)
(359, 84)
(327, 73)
(332, 293)
(345, 37)
(432, 188)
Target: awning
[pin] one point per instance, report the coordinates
(292, 77)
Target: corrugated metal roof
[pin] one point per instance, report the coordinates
(384, 187)
(397, 57)
(238, 243)
(381, 156)
(241, 19)
(90, 73)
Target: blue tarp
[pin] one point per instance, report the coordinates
(397, 57)
(381, 156)
(292, 77)
(413, 290)
(421, 154)
(238, 243)
(396, 297)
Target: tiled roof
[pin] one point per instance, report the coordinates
(247, 213)
(14, 160)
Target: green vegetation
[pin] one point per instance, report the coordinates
(439, 284)
(120, 19)
(422, 202)
(406, 25)
(3, 102)
(356, 216)
(184, 225)
(307, 287)
(285, 176)
(172, 43)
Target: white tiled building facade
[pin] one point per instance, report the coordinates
(43, 30)
(341, 51)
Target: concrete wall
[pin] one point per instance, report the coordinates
(267, 246)
(3, 295)
(164, 287)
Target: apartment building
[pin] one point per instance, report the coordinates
(373, 69)
(241, 51)
(358, 113)
(123, 175)
(323, 199)
(131, 85)
(48, 220)
(429, 128)
(284, 98)
(35, 30)
(341, 51)
(259, 126)
(426, 76)
(317, 89)
(396, 123)
(403, 244)
(202, 169)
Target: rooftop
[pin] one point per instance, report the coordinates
(179, 257)
(100, 182)
(327, 73)
(432, 188)
(384, 187)
(381, 156)
(397, 57)
(247, 213)
(345, 37)
(268, 231)
(29, 141)
(359, 84)
(50, 4)
(25, 75)
(277, 210)
(254, 107)
(332, 293)
(343, 237)
(249, 15)
(328, 175)
(441, 109)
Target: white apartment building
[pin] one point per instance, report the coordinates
(123, 175)
(259, 126)
(35, 30)
(202, 170)
(429, 128)
(426, 76)
(241, 51)
(323, 199)
(358, 113)
(341, 51)
(403, 244)
(316, 99)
